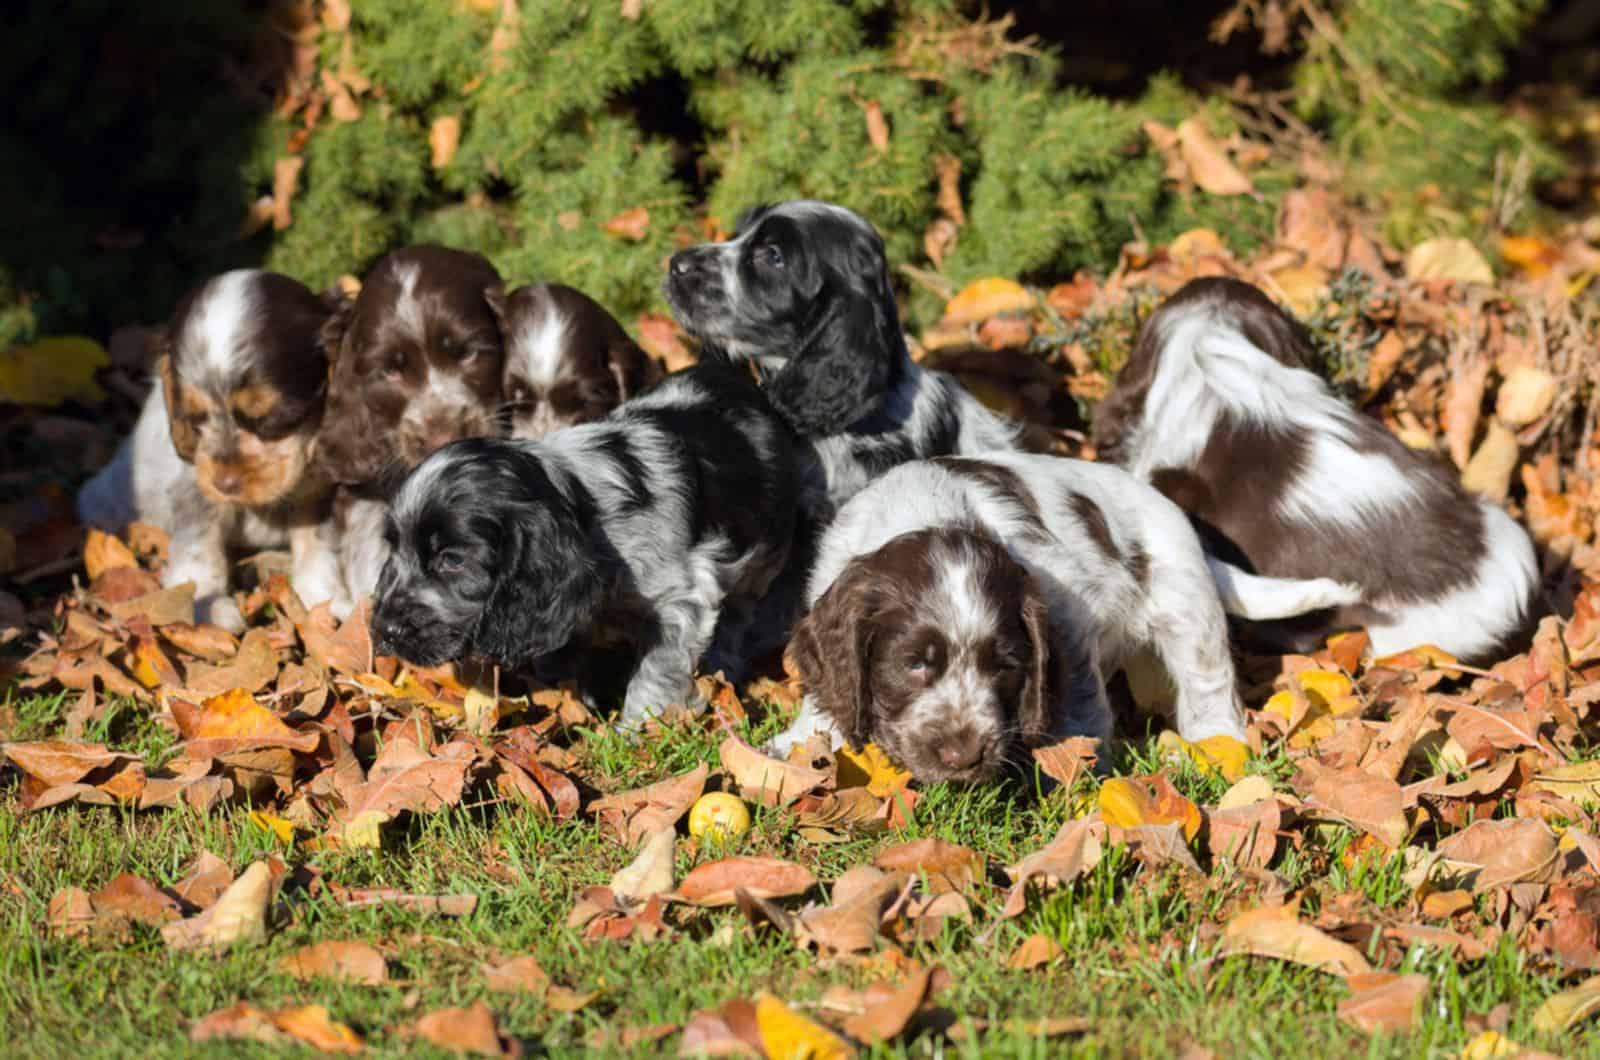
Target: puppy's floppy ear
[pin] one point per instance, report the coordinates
(341, 307)
(832, 649)
(851, 356)
(1042, 690)
(548, 590)
(631, 367)
(184, 437)
(495, 295)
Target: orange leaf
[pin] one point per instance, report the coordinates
(985, 298)
(103, 552)
(714, 883)
(632, 224)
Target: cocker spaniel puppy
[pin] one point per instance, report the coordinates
(675, 508)
(567, 360)
(221, 455)
(803, 290)
(1217, 410)
(964, 609)
(418, 362)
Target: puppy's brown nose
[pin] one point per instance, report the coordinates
(959, 754)
(227, 482)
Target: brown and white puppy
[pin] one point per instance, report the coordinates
(1217, 409)
(221, 455)
(568, 361)
(418, 364)
(966, 608)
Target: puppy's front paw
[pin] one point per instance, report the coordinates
(319, 585)
(220, 611)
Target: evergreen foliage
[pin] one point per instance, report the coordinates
(572, 114)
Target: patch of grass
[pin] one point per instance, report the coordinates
(1140, 947)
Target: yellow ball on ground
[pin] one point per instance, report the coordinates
(719, 816)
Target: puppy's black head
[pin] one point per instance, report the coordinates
(488, 558)
(802, 288)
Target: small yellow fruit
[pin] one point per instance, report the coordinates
(718, 816)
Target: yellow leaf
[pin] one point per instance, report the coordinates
(1526, 395)
(1302, 286)
(788, 1035)
(1448, 258)
(364, 830)
(103, 552)
(1333, 687)
(982, 299)
(870, 768)
(414, 690)
(1247, 792)
(51, 370)
(1194, 243)
(1531, 254)
(1579, 782)
(1488, 473)
(281, 827)
(1490, 1045)
(444, 136)
(482, 710)
(1129, 802)
(1215, 754)
(1565, 1010)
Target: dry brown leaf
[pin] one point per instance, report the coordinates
(726, 1031)
(942, 866)
(1075, 850)
(632, 224)
(351, 962)
(1066, 760)
(55, 762)
(240, 1022)
(211, 643)
(403, 778)
(517, 975)
(877, 125)
(1371, 803)
(661, 338)
(252, 668)
(714, 883)
(764, 779)
(1448, 258)
(632, 815)
(234, 721)
(982, 299)
(444, 136)
(852, 923)
(1495, 853)
(1525, 395)
(1384, 1001)
(1033, 951)
(1247, 835)
(285, 182)
(888, 1019)
(339, 647)
(238, 915)
(313, 1025)
(1208, 164)
(205, 882)
(470, 1030)
(948, 168)
(1308, 225)
(1275, 932)
(160, 608)
(1565, 1010)
(103, 552)
(135, 898)
(651, 872)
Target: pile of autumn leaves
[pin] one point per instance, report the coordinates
(1417, 753)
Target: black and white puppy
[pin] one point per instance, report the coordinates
(964, 609)
(803, 290)
(675, 508)
(568, 361)
(221, 455)
(1217, 409)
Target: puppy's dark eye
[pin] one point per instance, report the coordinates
(770, 255)
(449, 561)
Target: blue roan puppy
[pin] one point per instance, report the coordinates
(674, 510)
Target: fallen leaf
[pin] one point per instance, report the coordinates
(764, 779)
(729, 1030)
(52, 370)
(1579, 782)
(1494, 853)
(643, 811)
(340, 647)
(1129, 802)
(1075, 850)
(163, 607)
(1246, 834)
(1371, 803)
(55, 762)
(877, 125)
(1275, 932)
(1383, 1001)
(870, 768)
(351, 962)
(241, 1021)
(313, 1025)
(985, 298)
(70, 913)
(1565, 1010)
(789, 1035)
(205, 882)
(252, 668)
(851, 924)
(470, 1030)
(1525, 395)
(103, 552)
(941, 865)
(517, 975)
(403, 778)
(714, 883)
(1067, 760)
(1448, 258)
(1208, 164)
(285, 182)
(1033, 951)
(649, 873)
(238, 915)
(888, 1019)
(632, 224)
(234, 721)
(444, 136)
(1490, 1045)
(137, 899)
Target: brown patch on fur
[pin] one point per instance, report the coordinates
(256, 473)
(1094, 523)
(1003, 482)
(254, 401)
(182, 404)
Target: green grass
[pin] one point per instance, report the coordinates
(1140, 952)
